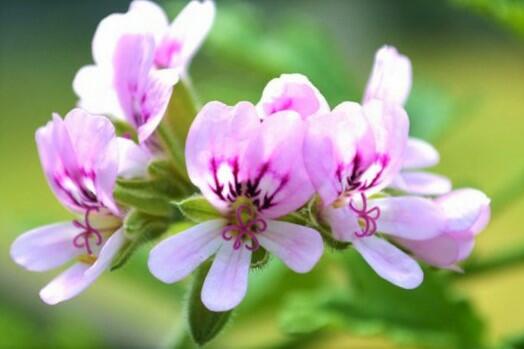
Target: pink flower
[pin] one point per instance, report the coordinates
(253, 173)
(291, 92)
(127, 86)
(390, 81)
(353, 153)
(467, 212)
(80, 158)
(138, 58)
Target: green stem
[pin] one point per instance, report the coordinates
(175, 151)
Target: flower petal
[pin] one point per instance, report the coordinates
(46, 247)
(299, 247)
(157, 93)
(409, 217)
(274, 164)
(94, 87)
(390, 125)
(440, 251)
(463, 208)
(185, 35)
(109, 250)
(217, 140)
(143, 17)
(420, 154)
(226, 283)
(422, 183)
(342, 221)
(133, 159)
(176, 257)
(389, 262)
(67, 285)
(390, 78)
(330, 146)
(292, 92)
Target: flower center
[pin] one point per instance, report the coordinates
(367, 217)
(88, 235)
(245, 225)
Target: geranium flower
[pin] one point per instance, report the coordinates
(80, 158)
(291, 92)
(353, 153)
(467, 213)
(138, 58)
(127, 86)
(390, 81)
(252, 172)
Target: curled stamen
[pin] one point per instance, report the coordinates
(369, 217)
(245, 229)
(83, 240)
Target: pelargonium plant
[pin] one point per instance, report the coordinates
(283, 177)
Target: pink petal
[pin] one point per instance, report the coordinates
(226, 283)
(157, 94)
(67, 285)
(132, 61)
(176, 257)
(390, 78)
(422, 183)
(93, 140)
(292, 92)
(274, 160)
(143, 17)
(409, 217)
(299, 247)
(389, 262)
(218, 139)
(55, 159)
(389, 124)
(440, 251)
(46, 247)
(463, 208)
(185, 35)
(330, 145)
(133, 159)
(420, 154)
(342, 221)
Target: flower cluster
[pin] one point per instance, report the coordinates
(283, 177)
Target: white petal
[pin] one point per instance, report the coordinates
(46, 247)
(422, 183)
(94, 87)
(107, 253)
(67, 285)
(463, 208)
(420, 154)
(133, 159)
(226, 283)
(299, 247)
(176, 257)
(409, 217)
(389, 262)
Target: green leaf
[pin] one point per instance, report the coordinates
(507, 12)
(513, 342)
(151, 196)
(203, 323)
(197, 209)
(432, 315)
(139, 228)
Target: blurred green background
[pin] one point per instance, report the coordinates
(468, 58)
